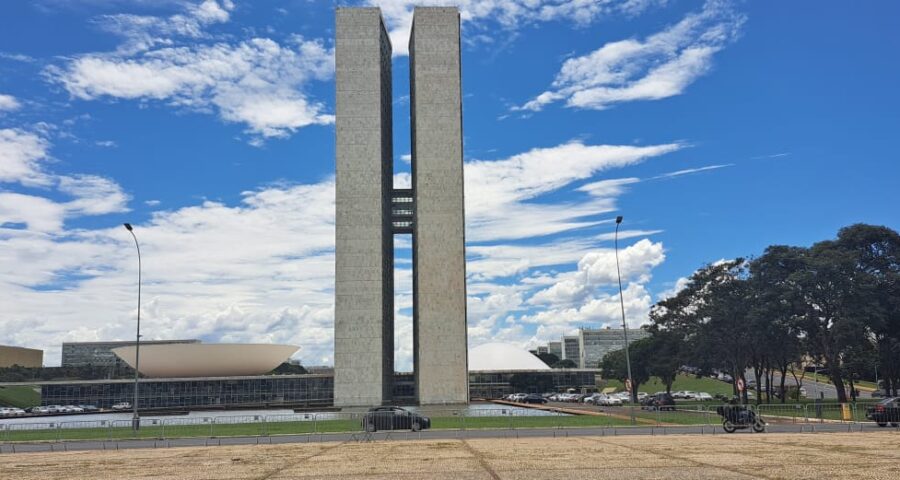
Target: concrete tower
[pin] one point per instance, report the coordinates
(439, 263)
(370, 210)
(364, 251)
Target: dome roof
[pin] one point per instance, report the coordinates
(206, 359)
(503, 356)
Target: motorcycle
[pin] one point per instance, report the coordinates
(739, 417)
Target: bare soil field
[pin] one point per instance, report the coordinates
(768, 456)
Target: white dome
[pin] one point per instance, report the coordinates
(207, 359)
(503, 356)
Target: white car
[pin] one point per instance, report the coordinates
(121, 406)
(11, 412)
(703, 397)
(610, 401)
(72, 409)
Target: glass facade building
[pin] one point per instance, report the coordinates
(291, 391)
(185, 393)
(495, 384)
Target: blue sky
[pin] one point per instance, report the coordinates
(716, 128)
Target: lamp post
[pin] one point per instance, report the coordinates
(136, 419)
(631, 384)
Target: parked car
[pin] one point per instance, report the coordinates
(703, 397)
(609, 401)
(662, 401)
(884, 412)
(72, 409)
(533, 398)
(89, 408)
(394, 418)
(11, 412)
(121, 406)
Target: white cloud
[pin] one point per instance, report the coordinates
(257, 82)
(605, 309)
(8, 103)
(508, 14)
(22, 154)
(142, 32)
(660, 66)
(22, 158)
(689, 171)
(499, 193)
(598, 268)
(245, 273)
(207, 273)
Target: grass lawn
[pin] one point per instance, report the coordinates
(682, 382)
(19, 396)
(20, 434)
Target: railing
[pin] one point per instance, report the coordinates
(509, 420)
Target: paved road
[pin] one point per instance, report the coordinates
(425, 435)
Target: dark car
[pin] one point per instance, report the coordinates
(885, 411)
(534, 398)
(394, 418)
(659, 401)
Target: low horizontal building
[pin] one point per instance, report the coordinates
(21, 356)
(262, 391)
(289, 391)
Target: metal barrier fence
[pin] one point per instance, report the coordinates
(683, 419)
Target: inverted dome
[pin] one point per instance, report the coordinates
(207, 360)
(503, 356)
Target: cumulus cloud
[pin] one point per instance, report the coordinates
(659, 66)
(22, 155)
(142, 32)
(257, 82)
(598, 268)
(22, 158)
(604, 309)
(8, 103)
(508, 14)
(262, 270)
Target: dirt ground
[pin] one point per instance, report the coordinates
(769, 456)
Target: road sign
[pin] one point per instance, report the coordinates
(740, 384)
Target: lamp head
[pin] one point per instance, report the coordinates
(128, 226)
(618, 220)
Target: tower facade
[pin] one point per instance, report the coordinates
(364, 251)
(370, 211)
(439, 263)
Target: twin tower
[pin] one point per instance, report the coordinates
(370, 211)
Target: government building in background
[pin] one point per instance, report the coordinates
(21, 356)
(588, 347)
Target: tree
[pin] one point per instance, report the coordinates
(614, 364)
(665, 359)
(876, 253)
(773, 312)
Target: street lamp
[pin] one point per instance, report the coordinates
(136, 419)
(631, 384)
